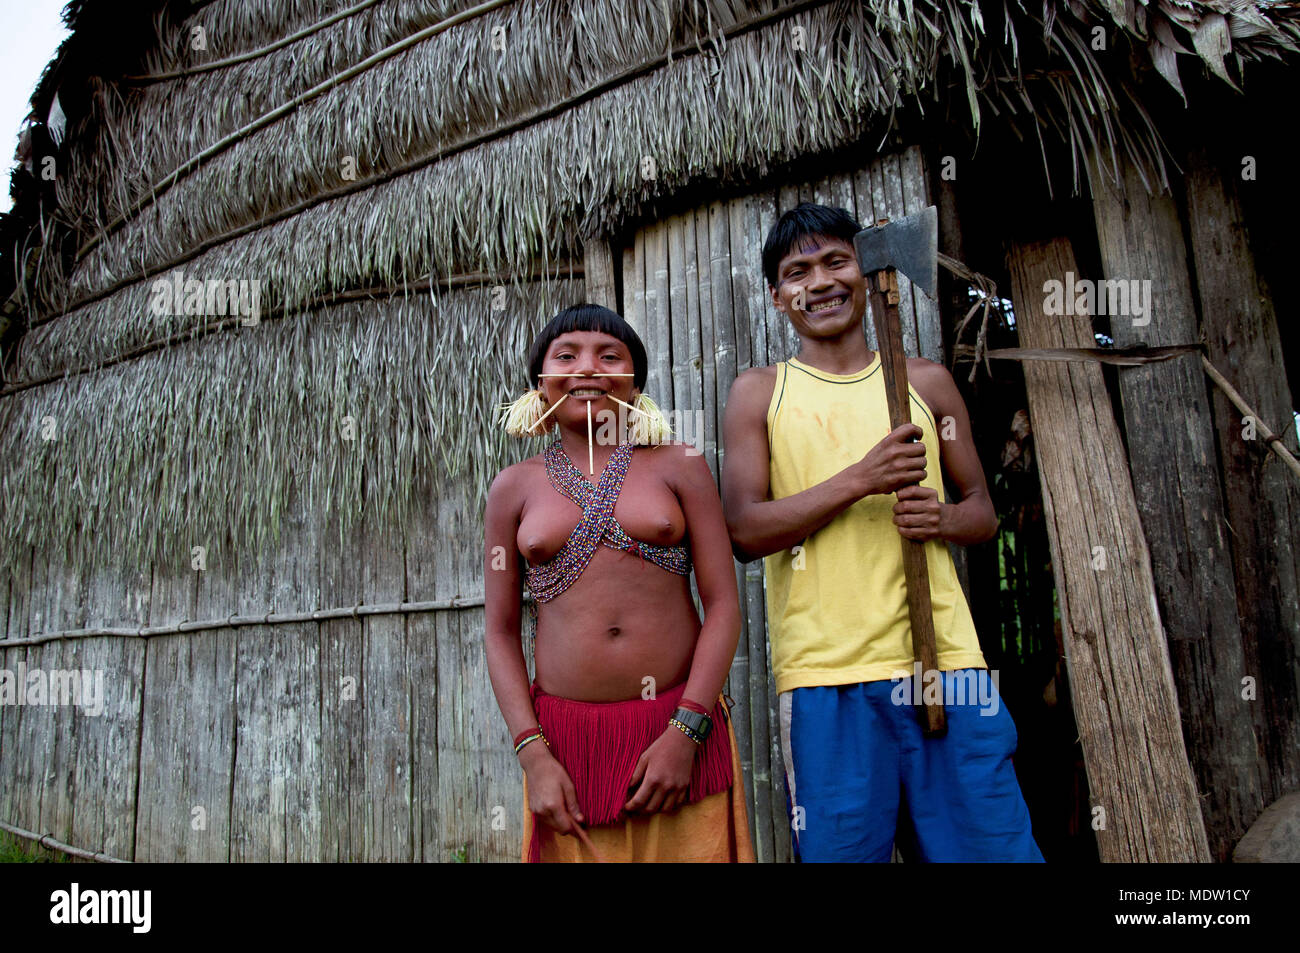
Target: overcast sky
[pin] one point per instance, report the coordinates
(30, 32)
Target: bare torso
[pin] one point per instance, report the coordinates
(624, 618)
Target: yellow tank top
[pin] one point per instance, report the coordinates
(837, 602)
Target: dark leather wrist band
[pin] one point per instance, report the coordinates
(701, 725)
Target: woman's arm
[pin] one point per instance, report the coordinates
(551, 793)
(715, 577)
(664, 771)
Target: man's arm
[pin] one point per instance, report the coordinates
(918, 514)
(759, 526)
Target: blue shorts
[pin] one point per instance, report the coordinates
(856, 760)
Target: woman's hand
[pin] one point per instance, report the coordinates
(551, 794)
(662, 778)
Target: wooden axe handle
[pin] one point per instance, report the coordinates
(916, 571)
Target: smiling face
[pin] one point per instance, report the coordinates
(820, 288)
(594, 357)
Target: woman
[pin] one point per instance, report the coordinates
(626, 745)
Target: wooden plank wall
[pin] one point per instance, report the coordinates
(365, 739)
(694, 289)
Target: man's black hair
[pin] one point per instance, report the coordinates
(804, 221)
(588, 317)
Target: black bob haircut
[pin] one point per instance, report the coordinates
(588, 317)
(804, 221)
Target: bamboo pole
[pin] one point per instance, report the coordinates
(1274, 441)
(49, 842)
(234, 621)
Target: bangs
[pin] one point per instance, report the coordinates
(588, 317)
(805, 226)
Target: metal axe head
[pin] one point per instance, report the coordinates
(908, 245)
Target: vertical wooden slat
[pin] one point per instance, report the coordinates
(343, 699)
(387, 730)
(761, 216)
(422, 567)
(633, 288)
(34, 737)
(53, 742)
(742, 228)
(865, 199)
(657, 336)
(276, 801)
(480, 781)
(15, 626)
(778, 327)
(708, 340)
(726, 360)
(787, 197)
(497, 786)
(180, 769)
(1262, 501)
(681, 373)
(104, 814)
(16, 777)
(916, 197)
(700, 434)
(450, 796)
(1180, 497)
(598, 271)
(737, 212)
(1123, 692)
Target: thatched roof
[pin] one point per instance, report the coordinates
(358, 145)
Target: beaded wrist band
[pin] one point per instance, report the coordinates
(686, 730)
(524, 737)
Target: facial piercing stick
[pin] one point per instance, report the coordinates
(563, 398)
(591, 449)
(627, 405)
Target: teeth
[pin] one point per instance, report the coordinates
(825, 305)
(587, 392)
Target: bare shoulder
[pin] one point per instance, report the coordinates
(508, 487)
(678, 462)
(672, 454)
(752, 389)
(924, 369)
(934, 382)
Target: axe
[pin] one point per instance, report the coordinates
(908, 245)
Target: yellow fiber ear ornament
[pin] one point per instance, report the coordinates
(648, 425)
(522, 417)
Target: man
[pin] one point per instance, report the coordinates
(815, 482)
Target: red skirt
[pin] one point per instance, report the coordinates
(599, 744)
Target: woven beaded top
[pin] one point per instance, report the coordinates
(597, 527)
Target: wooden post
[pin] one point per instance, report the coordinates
(598, 269)
(1171, 450)
(1124, 699)
(1262, 499)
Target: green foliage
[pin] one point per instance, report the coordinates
(14, 850)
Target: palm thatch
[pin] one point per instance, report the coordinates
(399, 144)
